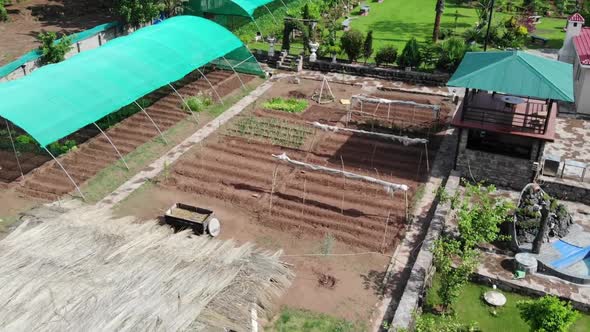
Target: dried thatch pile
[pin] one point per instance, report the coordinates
(85, 271)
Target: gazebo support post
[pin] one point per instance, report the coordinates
(67, 174)
(235, 72)
(113, 144)
(20, 168)
(465, 100)
(184, 102)
(549, 109)
(211, 85)
(152, 120)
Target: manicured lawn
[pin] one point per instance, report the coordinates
(395, 22)
(307, 321)
(471, 308)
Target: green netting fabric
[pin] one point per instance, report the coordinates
(36, 54)
(56, 100)
(225, 7)
(242, 61)
(517, 73)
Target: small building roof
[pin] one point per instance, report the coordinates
(582, 44)
(577, 17)
(515, 72)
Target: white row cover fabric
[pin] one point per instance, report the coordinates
(405, 140)
(377, 100)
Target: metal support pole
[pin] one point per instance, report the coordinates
(284, 4)
(256, 24)
(152, 120)
(238, 75)
(184, 102)
(211, 85)
(113, 144)
(273, 17)
(67, 174)
(20, 168)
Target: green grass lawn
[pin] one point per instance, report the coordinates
(471, 308)
(395, 22)
(307, 321)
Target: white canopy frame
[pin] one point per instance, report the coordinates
(112, 144)
(152, 120)
(325, 83)
(389, 102)
(390, 188)
(405, 140)
(184, 102)
(235, 72)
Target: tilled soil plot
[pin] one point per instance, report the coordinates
(240, 169)
(49, 182)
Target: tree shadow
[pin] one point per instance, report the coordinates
(374, 280)
(73, 14)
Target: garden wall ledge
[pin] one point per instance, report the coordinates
(422, 270)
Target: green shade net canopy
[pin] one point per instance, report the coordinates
(515, 72)
(57, 100)
(225, 7)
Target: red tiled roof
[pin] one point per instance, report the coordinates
(582, 43)
(576, 18)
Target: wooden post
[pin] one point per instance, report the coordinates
(407, 212)
(385, 231)
(272, 189)
(427, 161)
(343, 186)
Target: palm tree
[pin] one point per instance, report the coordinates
(440, 8)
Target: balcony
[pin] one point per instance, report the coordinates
(500, 113)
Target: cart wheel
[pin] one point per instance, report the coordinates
(214, 227)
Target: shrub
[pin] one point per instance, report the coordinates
(197, 103)
(53, 50)
(386, 55)
(452, 52)
(291, 105)
(3, 12)
(547, 314)
(411, 56)
(352, 43)
(368, 46)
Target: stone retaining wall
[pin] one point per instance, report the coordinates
(564, 189)
(422, 271)
(501, 170)
(366, 70)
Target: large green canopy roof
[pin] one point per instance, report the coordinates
(56, 100)
(227, 7)
(515, 72)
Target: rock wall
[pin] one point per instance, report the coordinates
(503, 171)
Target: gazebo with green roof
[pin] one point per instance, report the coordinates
(508, 113)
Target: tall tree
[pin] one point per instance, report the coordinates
(368, 46)
(440, 8)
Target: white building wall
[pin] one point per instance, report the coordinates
(582, 87)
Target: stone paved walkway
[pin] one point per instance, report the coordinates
(571, 142)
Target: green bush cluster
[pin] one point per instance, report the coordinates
(52, 49)
(386, 55)
(198, 103)
(291, 105)
(3, 12)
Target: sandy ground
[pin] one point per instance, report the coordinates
(27, 18)
(357, 277)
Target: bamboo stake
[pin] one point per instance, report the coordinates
(386, 225)
(419, 166)
(373, 154)
(304, 193)
(427, 162)
(272, 189)
(343, 187)
(407, 212)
